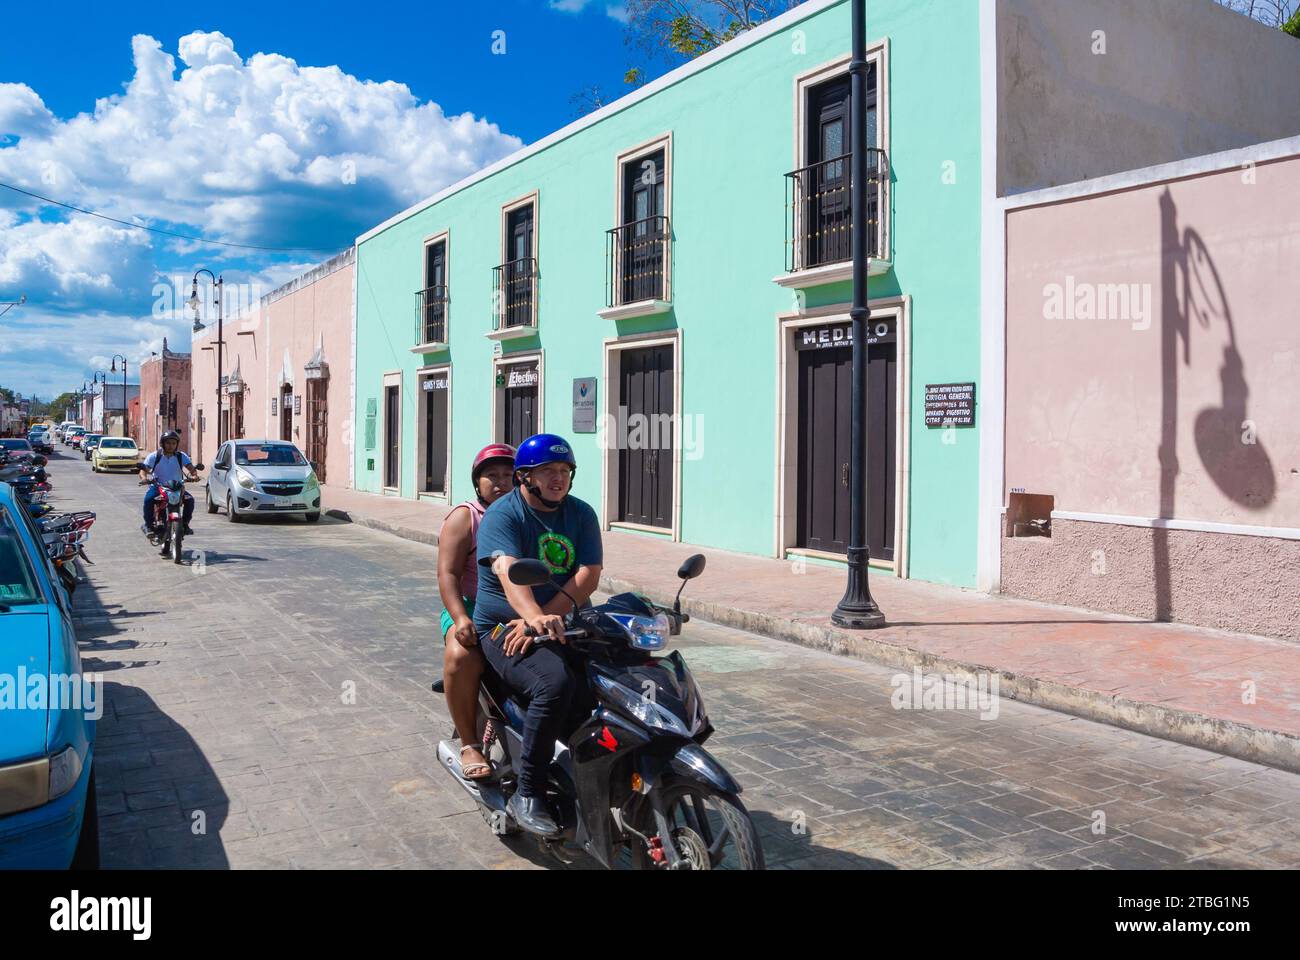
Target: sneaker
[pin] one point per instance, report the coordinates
(188, 531)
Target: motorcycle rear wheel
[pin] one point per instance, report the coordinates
(709, 828)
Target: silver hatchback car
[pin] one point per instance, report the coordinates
(262, 477)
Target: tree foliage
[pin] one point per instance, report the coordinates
(1282, 14)
(681, 30)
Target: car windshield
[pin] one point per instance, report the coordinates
(93, 436)
(17, 581)
(8, 444)
(270, 454)
(115, 443)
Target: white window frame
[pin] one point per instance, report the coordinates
(877, 53)
(529, 329)
(420, 374)
(786, 506)
(443, 237)
(613, 348)
(499, 393)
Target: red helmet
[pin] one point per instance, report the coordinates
(493, 451)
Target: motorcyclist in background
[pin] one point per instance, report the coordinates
(164, 465)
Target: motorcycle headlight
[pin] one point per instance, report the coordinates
(65, 771)
(643, 708)
(644, 633)
(245, 480)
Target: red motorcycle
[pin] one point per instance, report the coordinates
(168, 527)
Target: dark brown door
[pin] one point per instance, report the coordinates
(645, 445)
(317, 425)
(827, 181)
(520, 403)
(519, 271)
(435, 433)
(643, 229)
(825, 432)
(286, 412)
(392, 433)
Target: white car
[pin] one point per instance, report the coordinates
(262, 476)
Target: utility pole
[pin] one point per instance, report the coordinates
(857, 610)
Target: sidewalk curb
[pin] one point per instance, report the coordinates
(1228, 737)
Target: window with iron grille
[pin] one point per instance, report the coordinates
(431, 302)
(819, 208)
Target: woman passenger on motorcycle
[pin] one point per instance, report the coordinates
(462, 661)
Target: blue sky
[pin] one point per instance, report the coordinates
(267, 123)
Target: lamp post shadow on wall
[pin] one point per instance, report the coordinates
(857, 610)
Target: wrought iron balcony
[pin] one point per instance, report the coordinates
(636, 261)
(819, 211)
(514, 293)
(431, 315)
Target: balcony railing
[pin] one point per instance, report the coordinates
(514, 293)
(819, 211)
(636, 261)
(431, 315)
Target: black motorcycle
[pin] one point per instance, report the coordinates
(632, 777)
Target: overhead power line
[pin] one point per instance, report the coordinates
(167, 233)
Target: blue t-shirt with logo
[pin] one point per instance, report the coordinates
(166, 469)
(563, 539)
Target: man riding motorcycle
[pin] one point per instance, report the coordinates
(538, 518)
(167, 464)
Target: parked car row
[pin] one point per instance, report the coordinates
(48, 816)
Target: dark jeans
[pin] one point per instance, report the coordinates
(543, 678)
(187, 509)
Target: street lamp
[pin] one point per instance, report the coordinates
(195, 305)
(125, 407)
(10, 304)
(857, 610)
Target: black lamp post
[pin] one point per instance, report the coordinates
(857, 610)
(117, 357)
(198, 325)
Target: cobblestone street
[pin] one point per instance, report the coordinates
(229, 738)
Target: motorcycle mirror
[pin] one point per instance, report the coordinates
(692, 568)
(198, 466)
(529, 573)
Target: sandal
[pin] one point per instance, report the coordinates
(482, 768)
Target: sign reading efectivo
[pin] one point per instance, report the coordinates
(522, 377)
(840, 335)
(950, 404)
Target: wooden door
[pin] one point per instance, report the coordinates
(645, 452)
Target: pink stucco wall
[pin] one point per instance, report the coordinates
(1150, 414)
(276, 337)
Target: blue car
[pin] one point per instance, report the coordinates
(47, 710)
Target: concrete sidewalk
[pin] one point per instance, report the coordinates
(1230, 693)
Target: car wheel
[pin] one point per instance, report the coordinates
(207, 495)
(231, 515)
(312, 517)
(86, 856)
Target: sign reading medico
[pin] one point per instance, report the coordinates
(834, 336)
(584, 405)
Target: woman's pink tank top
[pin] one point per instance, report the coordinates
(469, 576)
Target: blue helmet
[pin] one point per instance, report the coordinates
(544, 448)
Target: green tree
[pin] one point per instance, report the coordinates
(1282, 14)
(680, 30)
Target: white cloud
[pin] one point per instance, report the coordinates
(616, 11)
(225, 143)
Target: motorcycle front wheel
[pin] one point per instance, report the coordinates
(710, 829)
(176, 540)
